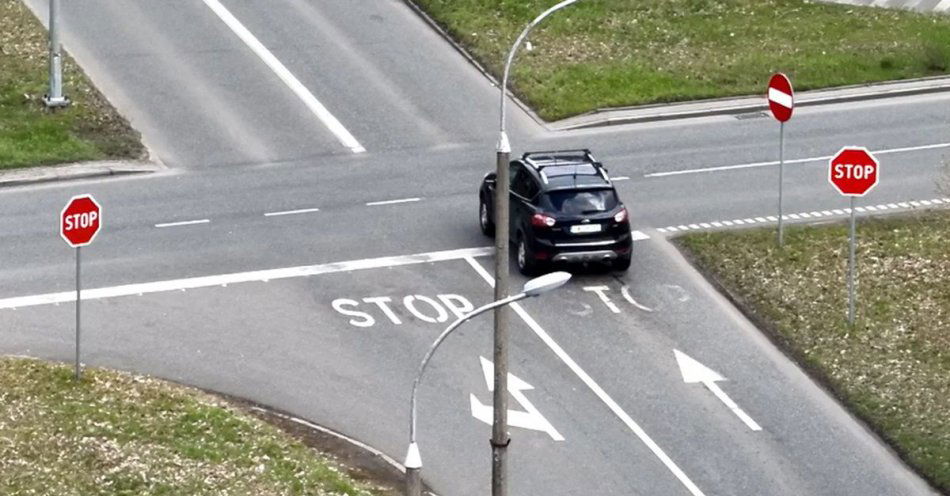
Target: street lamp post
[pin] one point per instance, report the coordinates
(499, 439)
(534, 287)
(55, 96)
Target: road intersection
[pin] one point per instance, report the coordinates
(272, 262)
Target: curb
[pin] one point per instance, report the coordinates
(750, 104)
(82, 170)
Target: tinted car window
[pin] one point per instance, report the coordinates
(585, 201)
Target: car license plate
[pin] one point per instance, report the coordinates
(585, 228)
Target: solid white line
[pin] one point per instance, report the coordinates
(619, 178)
(292, 212)
(391, 202)
(597, 390)
(794, 161)
(942, 6)
(183, 223)
(239, 277)
(780, 97)
(287, 77)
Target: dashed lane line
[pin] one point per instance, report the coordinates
(292, 212)
(753, 165)
(594, 387)
(393, 202)
(809, 215)
(183, 223)
(287, 77)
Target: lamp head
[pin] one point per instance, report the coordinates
(545, 283)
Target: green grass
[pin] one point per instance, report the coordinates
(118, 434)
(608, 53)
(893, 368)
(90, 129)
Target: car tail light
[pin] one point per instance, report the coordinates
(541, 220)
(621, 215)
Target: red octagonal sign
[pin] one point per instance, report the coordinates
(853, 171)
(80, 221)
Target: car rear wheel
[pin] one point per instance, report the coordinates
(527, 264)
(484, 218)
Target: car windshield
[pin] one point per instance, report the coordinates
(585, 201)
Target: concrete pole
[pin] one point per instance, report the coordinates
(55, 96)
(500, 439)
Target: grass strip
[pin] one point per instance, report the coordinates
(599, 53)
(89, 129)
(892, 369)
(120, 434)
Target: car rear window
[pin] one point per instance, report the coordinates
(584, 201)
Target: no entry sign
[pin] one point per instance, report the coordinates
(781, 97)
(80, 221)
(853, 171)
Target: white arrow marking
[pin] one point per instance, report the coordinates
(694, 371)
(530, 418)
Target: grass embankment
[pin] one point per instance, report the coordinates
(118, 434)
(893, 368)
(599, 53)
(90, 129)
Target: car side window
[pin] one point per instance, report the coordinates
(531, 187)
(520, 180)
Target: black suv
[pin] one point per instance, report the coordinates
(563, 209)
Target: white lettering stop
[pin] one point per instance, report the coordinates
(852, 171)
(80, 221)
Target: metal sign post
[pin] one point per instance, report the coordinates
(853, 171)
(78, 301)
(79, 222)
(781, 173)
(851, 270)
(781, 99)
(55, 96)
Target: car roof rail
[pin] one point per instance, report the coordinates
(532, 158)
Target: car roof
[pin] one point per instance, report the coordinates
(567, 169)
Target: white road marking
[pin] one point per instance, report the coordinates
(806, 215)
(639, 236)
(625, 291)
(392, 202)
(602, 294)
(619, 178)
(753, 165)
(239, 277)
(529, 418)
(694, 371)
(942, 6)
(287, 77)
(593, 386)
(292, 212)
(184, 223)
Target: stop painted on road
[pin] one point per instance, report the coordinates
(366, 312)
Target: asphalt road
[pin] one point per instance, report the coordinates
(265, 183)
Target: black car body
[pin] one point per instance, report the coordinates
(563, 208)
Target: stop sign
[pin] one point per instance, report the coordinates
(853, 171)
(80, 221)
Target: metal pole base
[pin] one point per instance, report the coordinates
(413, 481)
(56, 102)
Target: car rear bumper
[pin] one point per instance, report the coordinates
(583, 251)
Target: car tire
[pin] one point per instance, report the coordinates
(484, 218)
(622, 262)
(525, 260)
